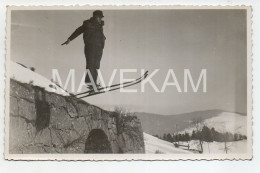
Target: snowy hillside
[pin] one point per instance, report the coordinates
(225, 122)
(154, 145)
(25, 75)
(228, 122)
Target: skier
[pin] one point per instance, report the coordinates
(94, 40)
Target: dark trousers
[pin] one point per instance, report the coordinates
(93, 56)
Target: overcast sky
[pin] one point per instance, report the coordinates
(145, 39)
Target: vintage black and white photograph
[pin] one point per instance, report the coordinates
(121, 83)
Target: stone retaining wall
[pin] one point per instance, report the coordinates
(44, 122)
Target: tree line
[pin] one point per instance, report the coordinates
(206, 134)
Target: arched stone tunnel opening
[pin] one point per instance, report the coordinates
(97, 142)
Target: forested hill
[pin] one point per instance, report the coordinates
(156, 124)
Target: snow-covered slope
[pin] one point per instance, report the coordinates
(234, 147)
(225, 122)
(155, 145)
(26, 75)
(228, 122)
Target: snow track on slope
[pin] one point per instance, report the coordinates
(25, 75)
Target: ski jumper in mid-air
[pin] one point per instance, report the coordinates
(94, 40)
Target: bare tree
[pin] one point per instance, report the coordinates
(198, 124)
(207, 135)
(122, 111)
(225, 137)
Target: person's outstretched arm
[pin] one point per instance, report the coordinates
(75, 34)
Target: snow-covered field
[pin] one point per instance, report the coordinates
(224, 122)
(26, 75)
(235, 147)
(155, 145)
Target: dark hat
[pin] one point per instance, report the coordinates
(98, 13)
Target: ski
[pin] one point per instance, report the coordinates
(118, 86)
(111, 86)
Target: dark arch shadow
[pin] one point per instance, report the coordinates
(97, 142)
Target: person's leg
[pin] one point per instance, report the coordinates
(99, 52)
(90, 63)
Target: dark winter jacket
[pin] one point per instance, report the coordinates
(92, 32)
